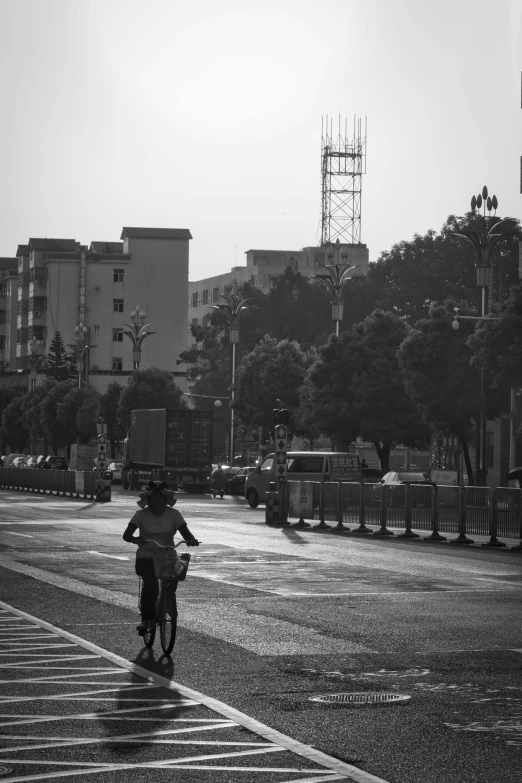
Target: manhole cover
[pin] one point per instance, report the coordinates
(5, 770)
(360, 699)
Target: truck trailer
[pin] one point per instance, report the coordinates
(169, 445)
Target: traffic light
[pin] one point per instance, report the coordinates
(281, 416)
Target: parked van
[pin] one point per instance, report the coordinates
(302, 466)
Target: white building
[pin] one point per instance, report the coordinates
(61, 283)
(263, 266)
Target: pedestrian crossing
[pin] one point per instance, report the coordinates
(69, 710)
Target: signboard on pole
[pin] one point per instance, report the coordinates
(281, 446)
(301, 500)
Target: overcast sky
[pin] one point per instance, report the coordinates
(207, 115)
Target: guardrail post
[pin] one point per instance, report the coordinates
(362, 530)
(408, 533)
(462, 537)
(519, 513)
(435, 536)
(383, 530)
(493, 520)
(339, 527)
(322, 524)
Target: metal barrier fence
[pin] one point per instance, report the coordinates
(461, 511)
(63, 483)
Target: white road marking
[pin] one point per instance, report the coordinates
(280, 740)
(110, 715)
(102, 554)
(24, 535)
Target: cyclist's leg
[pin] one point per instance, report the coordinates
(149, 593)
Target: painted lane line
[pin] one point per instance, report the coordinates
(72, 742)
(43, 647)
(102, 554)
(112, 715)
(83, 695)
(64, 679)
(24, 664)
(24, 535)
(153, 740)
(106, 767)
(256, 727)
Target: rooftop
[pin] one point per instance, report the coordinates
(106, 247)
(63, 245)
(155, 233)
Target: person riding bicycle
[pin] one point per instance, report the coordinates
(155, 522)
(218, 477)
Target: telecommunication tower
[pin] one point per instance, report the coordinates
(343, 162)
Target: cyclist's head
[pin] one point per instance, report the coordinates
(157, 495)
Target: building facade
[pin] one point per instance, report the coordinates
(263, 267)
(56, 284)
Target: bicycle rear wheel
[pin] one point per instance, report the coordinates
(150, 635)
(169, 619)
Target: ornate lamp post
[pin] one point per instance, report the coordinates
(336, 279)
(137, 334)
(80, 349)
(35, 359)
(481, 234)
(232, 306)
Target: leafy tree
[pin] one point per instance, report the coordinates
(78, 411)
(269, 377)
(56, 432)
(12, 429)
(108, 410)
(355, 388)
(6, 395)
(32, 413)
(497, 346)
(439, 379)
(58, 364)
(150, 388)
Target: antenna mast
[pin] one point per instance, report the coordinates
(343, 162)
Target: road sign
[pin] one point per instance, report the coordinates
(281, 447)
(102, 454)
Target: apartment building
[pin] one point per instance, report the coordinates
(55, 284)
(263, 267)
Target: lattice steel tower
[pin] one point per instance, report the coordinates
(343, 162)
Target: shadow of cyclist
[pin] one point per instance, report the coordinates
(143, 710)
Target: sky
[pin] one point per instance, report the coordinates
(207, 115)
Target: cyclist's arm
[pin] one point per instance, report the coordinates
(187, 535)
(130, 537)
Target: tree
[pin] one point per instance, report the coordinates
(356, 388)
(269, 377)
(12, 429)
(6, 395)
(78, 411)
(436, 368)
(108, 410)
(55, 431)
(58, 364)
(150, 388)
(497, 346)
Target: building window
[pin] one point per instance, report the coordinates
(215, 295)
(118, 275)
(194, 322)
(206, 297)
(117, 364)
(117, 305)
(117, 335)
(195, 299)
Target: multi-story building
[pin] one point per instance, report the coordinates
(263, 267)
(61, 283)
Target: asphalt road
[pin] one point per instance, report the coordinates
(269, 618)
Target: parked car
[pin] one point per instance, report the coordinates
(396, 478)
(56, 463)
(40, 462)
(8, 463)
(31, 461)
(236, 484)
(115, 471)
(19, 462)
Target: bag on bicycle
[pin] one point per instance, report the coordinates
(175, 567)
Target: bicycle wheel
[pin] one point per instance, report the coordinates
(150, 635)
(169, 619)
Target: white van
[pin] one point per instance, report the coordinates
(302, 466)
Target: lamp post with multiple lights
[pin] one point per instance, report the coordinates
(336, 279)
(483, 237)
(35, 359)
(80, 348)
(232, 306)
(137, 334)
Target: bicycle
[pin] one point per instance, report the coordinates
(166, 610)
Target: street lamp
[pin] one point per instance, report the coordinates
(35, 359)
(336, 279)
(80, 349)
(481, 234)
(137, 334)
(232, 306)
